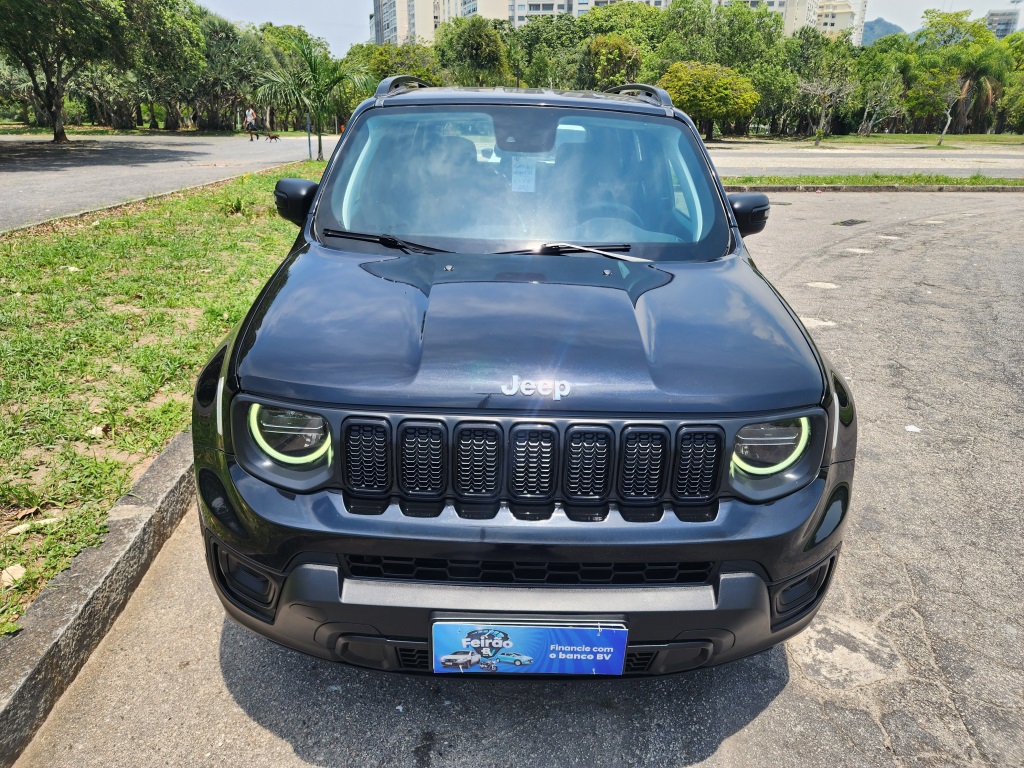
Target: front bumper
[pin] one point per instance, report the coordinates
(282, 573)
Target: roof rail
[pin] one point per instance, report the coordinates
(390, 84)
(650, 93)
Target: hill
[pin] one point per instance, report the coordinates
(879, 28)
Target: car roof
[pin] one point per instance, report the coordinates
(521, 97)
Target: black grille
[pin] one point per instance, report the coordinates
(644, 458)
(638, 661)
(421, 461)
(425, 464)
(413, 658)
(697, 467)
(509, 572)
(477, 461)
(366, 456)
(588, 463)
(532, 463)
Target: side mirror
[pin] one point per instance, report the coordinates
(751, 211)
(293, 198)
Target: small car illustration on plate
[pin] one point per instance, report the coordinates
(511, 657)
(465, 658)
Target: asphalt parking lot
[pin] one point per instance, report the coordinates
(914, 659)
(41, 180)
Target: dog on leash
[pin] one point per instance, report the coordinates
(273, 137)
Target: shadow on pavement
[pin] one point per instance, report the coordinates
(35, 156)
(335, 715)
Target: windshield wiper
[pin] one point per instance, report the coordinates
(388, 241)
(613, 251)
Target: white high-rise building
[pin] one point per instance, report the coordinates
(403, 21)
(836, 16)
(1003, 23)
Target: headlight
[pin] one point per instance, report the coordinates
(772, 447)
(292, 438)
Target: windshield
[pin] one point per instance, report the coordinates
(484, 179)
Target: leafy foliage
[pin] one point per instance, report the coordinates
(709, 92)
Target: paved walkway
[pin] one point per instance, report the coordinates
(914, 659)
(40, 180)
(788, 159)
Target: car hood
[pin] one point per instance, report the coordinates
(453, 330)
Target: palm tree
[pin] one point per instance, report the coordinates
(313, 86)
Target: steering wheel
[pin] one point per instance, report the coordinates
(609, 210)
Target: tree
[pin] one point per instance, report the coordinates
(471, 50)
(169, 53)
(777, 86)
(709, 92)
(882, 71)
(935, 92)
(609, 60)
(639, 23)
(1013, 101)
(55, 39)
(314, 87)
(408, 59)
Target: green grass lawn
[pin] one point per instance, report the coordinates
(881, 139)
(871, 179)
(952, 141)
(105, 320)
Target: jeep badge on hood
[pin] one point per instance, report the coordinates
(555, 389)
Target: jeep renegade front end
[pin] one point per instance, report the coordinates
(519, 392)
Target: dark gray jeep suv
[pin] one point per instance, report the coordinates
(519, 391)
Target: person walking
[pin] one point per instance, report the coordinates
(250, 122)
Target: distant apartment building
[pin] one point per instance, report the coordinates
(837, 16)
(1003, 23)
(402, 21)
(795, 13)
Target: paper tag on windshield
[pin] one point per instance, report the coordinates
(524, 174)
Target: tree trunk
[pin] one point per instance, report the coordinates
(53, 101)
(153, 124)
(820, 133)
(949, 119)
(172, 120)
(139, 120)
(866, 123)
(709, 130)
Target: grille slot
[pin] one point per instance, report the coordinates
(697, 464)
(588, 463)
(367, 465)
(520, 572)
(413, 658)
(638, 661)
(644, 459)
(422, 459)
(532, 462)
(477, 460)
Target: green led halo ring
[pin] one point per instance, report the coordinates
(254, 430)
(805, 436)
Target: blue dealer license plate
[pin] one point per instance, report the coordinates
(529, 649)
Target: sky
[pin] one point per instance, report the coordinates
(344, 22)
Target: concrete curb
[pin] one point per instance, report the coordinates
(75, 610)
(870, 188)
